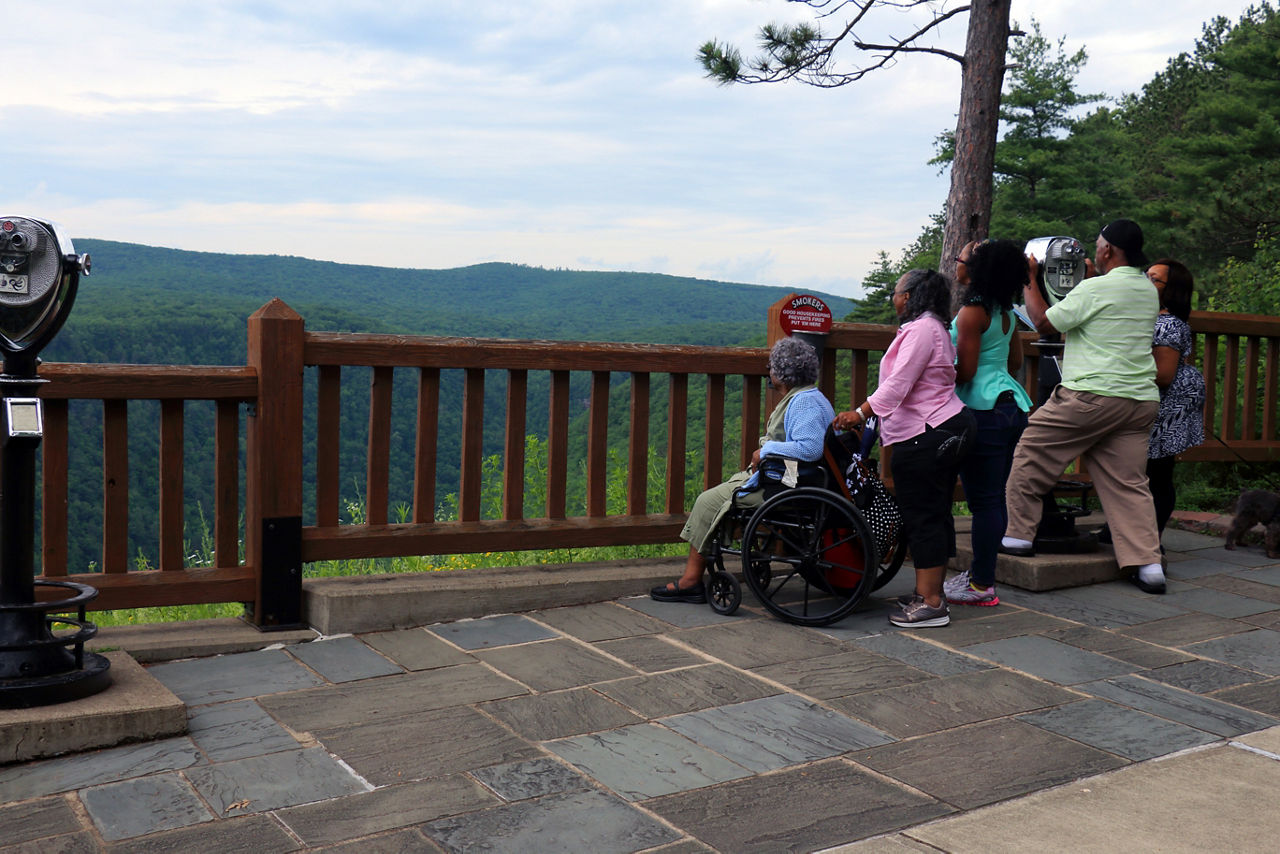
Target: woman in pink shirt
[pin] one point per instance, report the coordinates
(930, 431)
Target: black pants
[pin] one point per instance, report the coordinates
(925, 468)
(1160, 475)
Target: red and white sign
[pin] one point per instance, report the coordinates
(806, 313)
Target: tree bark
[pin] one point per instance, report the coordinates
(981, 79)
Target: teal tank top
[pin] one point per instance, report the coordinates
(992, 376)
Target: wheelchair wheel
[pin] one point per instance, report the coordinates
(808, 556)
(724, 594)
(891, 562)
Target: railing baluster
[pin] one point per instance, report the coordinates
(115, 486)
(597, 443)
(714, 459)
(677, 437)
(226, 520)
(751, 428)
(328, 433)
(1269, 380)
(513, 460)
(472, 445)
(1211, 383)
(171, 497)
(558, 445)
(638, 474)
(54, 472)
(379, 452)
(1250, 407)
(425, 443)
(1230, 382)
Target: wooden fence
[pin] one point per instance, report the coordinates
(1238, 354)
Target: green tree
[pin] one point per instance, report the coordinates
(802, 52)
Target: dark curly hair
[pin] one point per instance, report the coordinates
(1176, 296)
(927, 291)
(997, 273)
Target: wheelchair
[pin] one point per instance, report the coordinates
(807, 551)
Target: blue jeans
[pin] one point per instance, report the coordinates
(983, 475)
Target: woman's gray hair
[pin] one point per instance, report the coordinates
(793, 362)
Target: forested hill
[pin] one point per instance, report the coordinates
(152, 305)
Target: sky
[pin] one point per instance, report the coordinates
(576, 134)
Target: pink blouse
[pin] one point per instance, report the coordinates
(917, 381)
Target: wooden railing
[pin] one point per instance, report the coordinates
(1238, 355)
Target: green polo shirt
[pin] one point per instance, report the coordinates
(1108, 322)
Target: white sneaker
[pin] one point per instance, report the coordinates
(956, 583)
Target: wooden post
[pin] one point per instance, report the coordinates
(273, 511)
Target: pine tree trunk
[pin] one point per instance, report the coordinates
(969, 201)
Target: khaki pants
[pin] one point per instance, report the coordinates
(1111, 434)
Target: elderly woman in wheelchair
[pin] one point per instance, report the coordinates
(796, 431)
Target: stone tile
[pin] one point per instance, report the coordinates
(262, 783)
(340, 819)
(1243, 586)
(1189, 628)
(390, 697)
(774, 732)
(343, 659)
(1174, 539)
(582, 821)
(552, 665)
(687, 690)
(81, 842)
(987, 762)
(37, 820)
(233, 677)
(34, 779)
(993, 626)
(645, 761)
(236, 730)
(1261, 697)
(1184, 707)
(1268, 575)
(489, 632)
(1269, 620)
(431, 744)
(143, 805)
(602, 621)
(1113, 612)
(257, 833)
(1267, 740)
(840, 675)
(1221, 604)
(1051, 659)
(685, 846)
(952, 701)
(650, 654)
(922, 655)
(1197, 567)
(1119, 646)
(868, 619)
(1243, 556)
(535, 778)
(758, 643)
(416, 649)
(1203, 677)
(801, 809)
(1116, 729)
(543, 717)
(1257, 650)
(396, 842)
(685, 615)
(1124, 597)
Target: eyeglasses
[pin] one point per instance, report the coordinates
(1155, 280)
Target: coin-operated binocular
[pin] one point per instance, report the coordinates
(39, 274)
(1061, 268)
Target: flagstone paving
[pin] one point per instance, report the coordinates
(635, 725)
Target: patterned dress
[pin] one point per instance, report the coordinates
(1180, 422)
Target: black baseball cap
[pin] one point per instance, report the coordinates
(1126, 235)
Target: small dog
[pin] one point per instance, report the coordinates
(1256, 506)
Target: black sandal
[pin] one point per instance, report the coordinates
(696, 595)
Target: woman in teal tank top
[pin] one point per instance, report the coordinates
(987, 350)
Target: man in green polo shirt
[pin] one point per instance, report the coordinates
(1103, 408)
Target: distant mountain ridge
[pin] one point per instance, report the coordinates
(132, 281)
